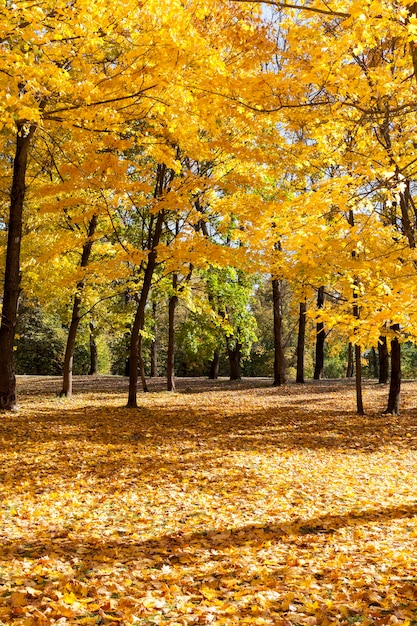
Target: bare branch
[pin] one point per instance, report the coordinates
(286, 5)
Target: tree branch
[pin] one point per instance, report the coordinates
(286, 5)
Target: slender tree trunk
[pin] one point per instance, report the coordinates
(75, 317)
(12, 269)
(69, 349)
(358, 363)
(358, 360)
(279, 361)
(234, 361)
(320, 337)
(301, 342)
(358, 381)
(373, 361)
(154, 351)
(138, 326)
(139, 321)
(154, 360)
(93, 350)
(383, 361)
(154, 238)
(172, 305)
(349, 368)
(393, 406)
(142, 365)
(214, 365)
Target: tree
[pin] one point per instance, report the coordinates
(24, 134)
(320, 338)
(59, 67)
(279, 362)
(75, 317)
(301, 342)
(40, 341)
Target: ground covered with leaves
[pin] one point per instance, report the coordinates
(219, 504)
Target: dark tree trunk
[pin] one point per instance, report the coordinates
(138, 325)
(139, 322)
(172, 305)
(154, 351)
(373, 362)
(349, 368)
(358, 380)
(301, 342)
(393, 406)
(12, 269)
(358, 361)
(69, 349)
(154, 238)
(142, 365)
(234, 361)
(154, 360)
(75, 318)
(383, 359)
(93, 350)
(279, 361)
(214, 366)
(320, 337)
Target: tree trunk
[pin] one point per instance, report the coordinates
(234, 361)
(75, 317)
(142, 365)
(358, 380)
(12, 269)
(93, 350)
(301, 342)
(349, 368)
(320, 337)
(154, 352)
(383, 359)
(279, 361)
(395, 380)
(69, 349)
(139, 322)
(214, 365)
(172, 305)
(373, 362)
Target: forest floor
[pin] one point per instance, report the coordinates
(223, 503)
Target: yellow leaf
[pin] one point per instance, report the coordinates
(69, 598)
(208, 592)
(18, 598)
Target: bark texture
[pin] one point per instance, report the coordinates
(301, 342)
(93, 350)
(75, 317)
(383, 359)
(12, 268)
(279, 361)
(154, 349)
(358, 381)
(172, 306)
(393, 405)
(155, 233)
(320, 337)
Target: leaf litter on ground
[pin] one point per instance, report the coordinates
(219, 504)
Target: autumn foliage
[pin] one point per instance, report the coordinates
(158, 139)
(220, 504)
